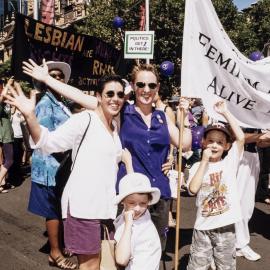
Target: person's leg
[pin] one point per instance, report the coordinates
(160, 216)
(201, 251)
(15, 175)
(56, 257)
(89, 262)
(1, 154)
(262, 191)
(242, 234)
(223, 240)
(247, 177)
(53, 230)
(8, 160)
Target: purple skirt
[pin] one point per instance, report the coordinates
(83, 236)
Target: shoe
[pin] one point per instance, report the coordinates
(62, 263)
(3, 190)
(248, 253)
(267, 200)
(8, 186)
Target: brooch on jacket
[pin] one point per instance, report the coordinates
(159, 119)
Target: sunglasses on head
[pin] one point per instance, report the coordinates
(152, 86)
(55, 75)
(111, 94)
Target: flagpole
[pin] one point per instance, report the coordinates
(147, 22)
(177, 228)
(36, 9)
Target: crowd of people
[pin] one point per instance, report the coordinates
(122, 153)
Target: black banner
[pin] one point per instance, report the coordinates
(89, 57)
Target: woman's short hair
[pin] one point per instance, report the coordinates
(144, 67)
(109, 78)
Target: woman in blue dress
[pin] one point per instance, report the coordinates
(44, 200)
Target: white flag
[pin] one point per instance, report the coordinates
(214, 69)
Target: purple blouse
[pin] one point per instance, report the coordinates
(149, 147)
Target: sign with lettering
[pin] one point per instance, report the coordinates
(214, 69)
(139, 44)
(89, 57)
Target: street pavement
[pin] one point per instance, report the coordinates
(22, 237)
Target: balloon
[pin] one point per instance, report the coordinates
(167, 68)
(118, 22)
(255, 56)
(197, 135)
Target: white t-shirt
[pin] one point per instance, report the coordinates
(16, 120)
(217, 200)
(145, 243)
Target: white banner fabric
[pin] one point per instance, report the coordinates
(214, 69)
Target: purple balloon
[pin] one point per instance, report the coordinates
(255, 56)
(167, 68)
(197, 136)
(118, 22)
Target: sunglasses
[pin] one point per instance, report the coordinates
(111, 94)
(59, 75)
(152, 86)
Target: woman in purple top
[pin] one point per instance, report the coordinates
(145, 132)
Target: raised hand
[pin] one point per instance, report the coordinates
(17, 98)
(39, 73)
(5, 90)
(221, 107)
(184, 104)
(207, 153)
(128, 216)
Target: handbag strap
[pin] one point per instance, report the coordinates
(106, 232)
(81, 141)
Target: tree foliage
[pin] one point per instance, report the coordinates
(249, 30)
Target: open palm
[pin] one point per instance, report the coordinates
(35, 71)
(17, 98)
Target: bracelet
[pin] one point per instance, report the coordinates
(187, 126)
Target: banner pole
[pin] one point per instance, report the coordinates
(147, 22)
(177, 228)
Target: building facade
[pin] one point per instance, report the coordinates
(66, 13)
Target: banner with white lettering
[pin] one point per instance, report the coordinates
(89, 57)
(214, 69)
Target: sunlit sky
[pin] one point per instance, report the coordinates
(243, 3)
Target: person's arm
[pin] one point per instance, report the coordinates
(42, 74)
(252, 137)
(123, 247)
(174, 131)
(26, 106)
(196, 181)
(264, 140)
(169, 112)
(127, 159)
(221, 108)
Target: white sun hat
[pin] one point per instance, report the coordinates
(64, 67)
(136, 183)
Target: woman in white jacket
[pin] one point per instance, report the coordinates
(88, 194)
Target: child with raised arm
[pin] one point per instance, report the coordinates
(213, 179)
(138, 245)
